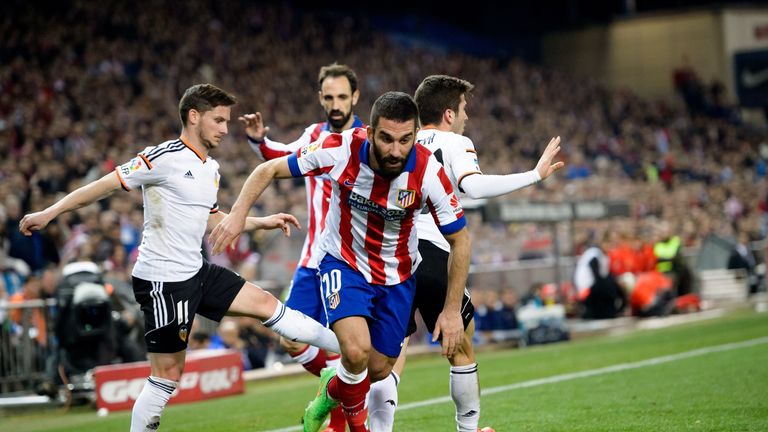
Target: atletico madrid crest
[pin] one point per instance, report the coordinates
(405, 197)
(333, 301)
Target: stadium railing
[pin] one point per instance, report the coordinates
(24, 347)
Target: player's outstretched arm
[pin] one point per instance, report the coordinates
(229, 229)
(282, 221)
(265, 148)
(489, 186)
(79, 198)
(449, 324)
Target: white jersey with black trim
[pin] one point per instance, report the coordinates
(179, 187)
(459, 159)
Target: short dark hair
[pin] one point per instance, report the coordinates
(337, 70)
(438, 93)
(202, 98)
(397, 106)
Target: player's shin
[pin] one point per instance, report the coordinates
(465, 392)
(296, 326)
(382, 402)
(150, 404)
(350, 390)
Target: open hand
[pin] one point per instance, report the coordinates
(450, 326)
(280, 220)
(545, 167)
(254, 126)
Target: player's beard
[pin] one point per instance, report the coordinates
(206, 142)
(381, 160)
(337, 125)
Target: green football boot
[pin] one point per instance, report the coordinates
(321, 406)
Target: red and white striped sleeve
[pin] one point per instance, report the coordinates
(268, 149)
(320, 156)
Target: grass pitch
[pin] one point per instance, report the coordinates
(693, 377)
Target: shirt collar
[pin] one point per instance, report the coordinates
(410, 164)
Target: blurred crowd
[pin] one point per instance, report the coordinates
(85, 87)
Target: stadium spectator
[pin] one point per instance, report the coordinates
(742, 257)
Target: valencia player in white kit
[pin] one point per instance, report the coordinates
(442, 102)
(171, 280)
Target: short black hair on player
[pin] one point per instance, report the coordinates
(202, 98)
(397, 106)
(438, 93)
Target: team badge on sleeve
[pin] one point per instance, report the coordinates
(405, 197)
(131, 166)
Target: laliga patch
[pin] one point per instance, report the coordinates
(183, 333)
(309, 148)
(333, 301)
(131, 166)
(216, 180)
(405, 197)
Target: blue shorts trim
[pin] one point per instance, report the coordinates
(304, 294)
(346, 293)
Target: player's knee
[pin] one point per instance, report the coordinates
(464, 354)
(290, 346)
(169, 372)
(356, 355)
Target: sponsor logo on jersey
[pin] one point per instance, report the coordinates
(405, 197)
(188, 175)
(366, 205)
(454, 201)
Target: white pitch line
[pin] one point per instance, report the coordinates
(583, 374)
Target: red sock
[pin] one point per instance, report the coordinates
(314, 364)
(338, 422)
(352, 401)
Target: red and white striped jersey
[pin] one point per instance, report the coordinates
(371, 222)
(318, 188)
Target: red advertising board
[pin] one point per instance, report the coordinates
(207, 374)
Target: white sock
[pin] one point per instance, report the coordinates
(297, 327)
(308, 355)
(382, 402)
(350, 377)
(465, 392)
(149, 405)
(334, 362)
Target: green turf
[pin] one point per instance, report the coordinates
(721, 391)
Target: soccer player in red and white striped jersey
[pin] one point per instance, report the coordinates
(338, 94)
(382, 181)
